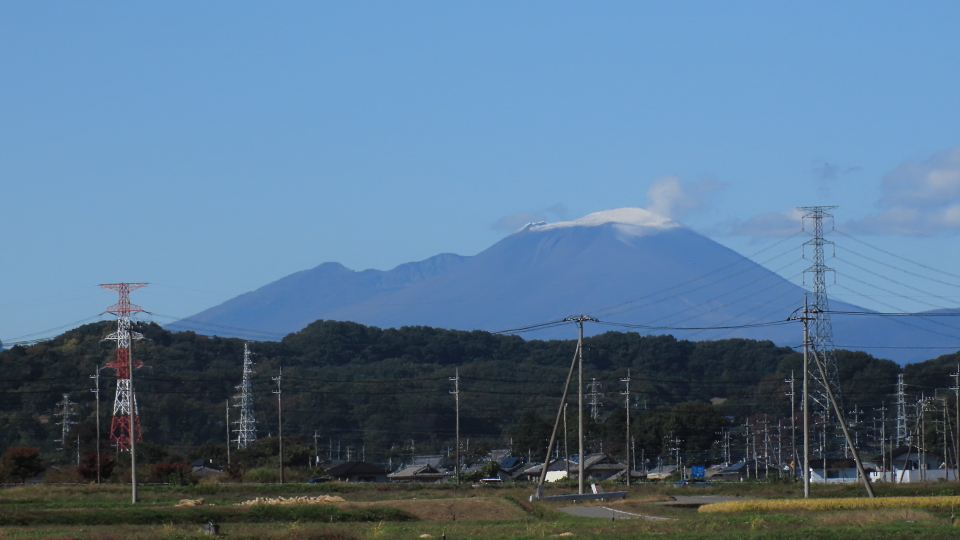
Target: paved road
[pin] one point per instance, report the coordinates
(606, 512)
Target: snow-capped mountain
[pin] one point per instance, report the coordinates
(624, 266)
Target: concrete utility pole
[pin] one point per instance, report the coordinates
(96, 391)
(227, 425)
(626, 395)
(805, 404)
(956, 406)
(456, 397)
(580, 320)
(133, 434)
(883, 438)
(793, 420)
(901, 411)
(566, 449)
(279, 393)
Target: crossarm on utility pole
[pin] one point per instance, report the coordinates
(556, 424)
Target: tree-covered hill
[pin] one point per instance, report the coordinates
(383, 393)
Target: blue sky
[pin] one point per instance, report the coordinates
(210, 148)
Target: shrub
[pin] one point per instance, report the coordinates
(88, 466)
(178, 474)
(20, 463)
(62, 475)
(262, 475)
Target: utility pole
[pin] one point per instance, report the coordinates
(746, 447)
(456, 397)
(279, 393)
(626, 395)
(805, 404)
(793, 419)
(956, 406)
(227, 425)
(96, 391)
(580, 320)
(883, 438)
(566, 449)
(766, 446)
(316, 449)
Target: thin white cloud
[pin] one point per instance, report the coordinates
(671, 197)
(920, 198)
(769, 224)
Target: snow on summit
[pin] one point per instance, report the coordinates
(636, 221)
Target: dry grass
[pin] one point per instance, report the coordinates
(940, 503)
(467, 509)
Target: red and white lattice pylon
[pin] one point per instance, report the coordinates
(125, 400)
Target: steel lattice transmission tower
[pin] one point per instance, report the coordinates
(125, 401)
(247, 425)
(66, 413)
(821, 331)
(902, 434)
(595, 396)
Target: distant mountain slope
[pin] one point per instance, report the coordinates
(622, 266)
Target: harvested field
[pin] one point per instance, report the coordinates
(465, 509)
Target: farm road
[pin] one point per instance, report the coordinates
(606, 512)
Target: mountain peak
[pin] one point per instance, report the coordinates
(634, 220)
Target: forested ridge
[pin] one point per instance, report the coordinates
(384, 391)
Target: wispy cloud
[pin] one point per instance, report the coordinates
(671, 197)
(762, 225)
(831, 172)
(920, 198)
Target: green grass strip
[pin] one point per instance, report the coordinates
(258, 513)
